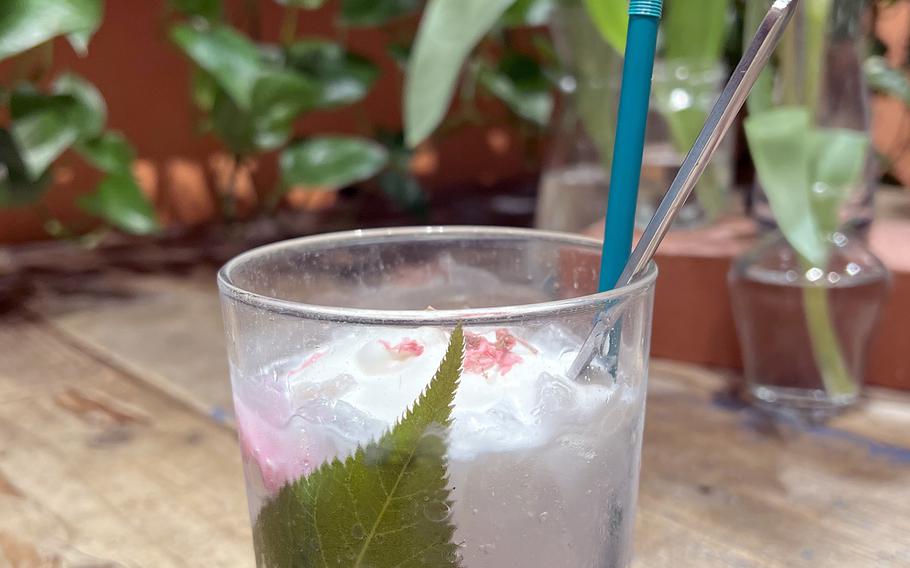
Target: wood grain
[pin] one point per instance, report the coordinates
(111, 452)
(98, 469)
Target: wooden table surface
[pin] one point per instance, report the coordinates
(117, 449)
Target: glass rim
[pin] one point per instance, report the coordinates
(466, 316)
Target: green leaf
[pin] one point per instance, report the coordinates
(228, 57)
(43, 127)
(25, 24)
(334, 516)
(780, 143)
(695, 32)
(110, 152)
(16, 186)
(839, 158)
(885, 79)
(404, 191)
(91, 113)
(520, 83)
(448, 32)
(400, 53)
(203, 90)
(612, 20)
(528, 13)
(205, 9)
(119, 201)
(367, 13)
(342, 77)
(305, 4)
(331, 162)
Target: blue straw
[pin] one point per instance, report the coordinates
(644, 18)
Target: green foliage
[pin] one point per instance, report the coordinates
(110, 152)
(25, 24)
(341, 78)
(519, 81)
(205, 9)
(90, 112)
(368, 13)
(331, 162)
(886, 79)
(695, 32)
(611, 18)
(16, 185)
(386, 505)
(449, 30)
(305, 4)
(119, 201)
(528, 13)
(397, 181)
(43, 127)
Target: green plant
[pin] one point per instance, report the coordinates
(693, 35)
(338, 514)
(253, 93)
(70, 114)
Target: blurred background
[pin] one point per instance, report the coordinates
(171, 134)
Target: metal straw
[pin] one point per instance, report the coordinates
(719, 121)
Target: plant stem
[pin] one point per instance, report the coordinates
(826, 349)
(288, 26)
(228, 200)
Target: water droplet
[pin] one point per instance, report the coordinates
(436, 511)
(542, 518)
(357, 531)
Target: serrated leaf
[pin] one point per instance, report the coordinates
(611, 19)
(91, 113)
(110, 152)
(371, 509)
(331, 162)
(228, 57)
(364, 13)
(119, 201)
(519, 82)
(448, 32)
(25, 24)
(341, 77)
(43, 127)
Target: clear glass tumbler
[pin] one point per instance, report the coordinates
(355, 455)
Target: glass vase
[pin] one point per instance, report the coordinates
(682, 94)
(805, 330)
(575, 178)
(806, 299)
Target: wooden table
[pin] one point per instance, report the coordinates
(116, 449)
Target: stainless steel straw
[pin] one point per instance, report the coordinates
(719, 121)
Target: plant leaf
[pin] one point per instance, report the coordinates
(342, 77)
(448, 32)
(16, 187)
(228, 57)
(119, 201)
(780, 141)
(838, 161)
(110, 152)
(520, 83)
(43, 128)
(25, 24)
(695, 32)
(331, 162)
(205, 9)
(91, 112)
(885, 79)
(612, 20)
(528, 13)
(367, 13)
(385, 488)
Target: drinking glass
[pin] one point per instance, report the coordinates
(333, 343)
